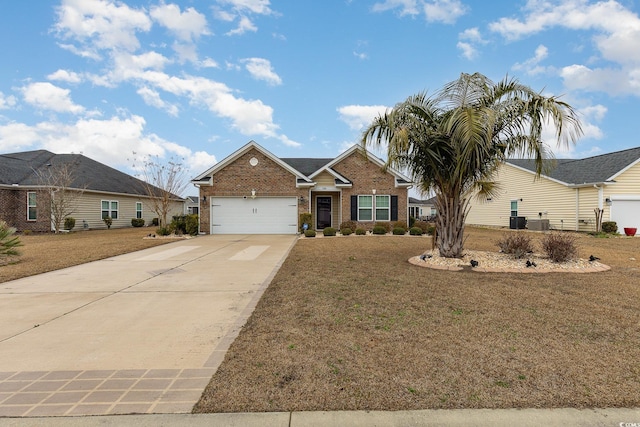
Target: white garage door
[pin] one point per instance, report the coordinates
(625, 211)
(262, 215)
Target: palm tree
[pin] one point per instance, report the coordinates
(454, 142)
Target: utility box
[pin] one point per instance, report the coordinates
(517, 222)
(538, 224)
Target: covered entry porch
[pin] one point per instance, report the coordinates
(326, 209)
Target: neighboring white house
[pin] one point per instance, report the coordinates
(565, 197)
(422, 209)
(24, 202)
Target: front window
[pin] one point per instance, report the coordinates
(138, 209)
(109, 208)
(365, 208)
(383, 208)
(514, 208)
(32, 213)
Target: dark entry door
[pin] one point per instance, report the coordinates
(323, 212)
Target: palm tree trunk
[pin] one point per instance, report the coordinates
(452, 211)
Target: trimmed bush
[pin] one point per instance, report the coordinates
(137, 222)
(431, 229)
(610, 227)
(559, 247)
(399, 231)
(155, 222)
(423, 225)
(415, 231)
(385, 224)
(346, 231)
(401, 224)
(360, 231)
(69, 223)
(517, 244)
(412, 221)
(305, 218)
(329, 231)
(163, 231)
(108, 221)
(349, 224)
(309, 233)
(192, 224)
(379, 229)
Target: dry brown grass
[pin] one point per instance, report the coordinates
(348, 323)
(47, 252)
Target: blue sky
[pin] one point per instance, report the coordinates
(198, 79)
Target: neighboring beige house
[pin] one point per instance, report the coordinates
(254, 192)
(424, 210)
(24, 203)
(565, 198)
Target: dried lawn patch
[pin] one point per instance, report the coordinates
(48, 252)
(348, 324)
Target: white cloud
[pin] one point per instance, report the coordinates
(152, 98)
(467, 41)
(65, 76)
(103, 24)
(445, 11)
(45, 96)
(244, 25)
(7, 102)
(360, 116)
(612, 81)
(532, 65)
(187, 26)
(261, 69)
(260, 7)
(468, 50)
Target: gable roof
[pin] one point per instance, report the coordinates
(90, 175)
(304, 168)
(591, 170)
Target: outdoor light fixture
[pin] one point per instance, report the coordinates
(253, 194)
(607, 201)
(301, 199)
(373, 191)
(204, 198)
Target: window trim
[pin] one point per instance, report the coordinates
(30, 206)
(387, 208)
(366, 208)
(110, 210)
(139, 211)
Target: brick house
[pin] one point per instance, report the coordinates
(254, 192)
(25, 200)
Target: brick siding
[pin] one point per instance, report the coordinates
(13, 210)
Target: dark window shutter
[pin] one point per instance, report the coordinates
(354, 208)
(394, 208)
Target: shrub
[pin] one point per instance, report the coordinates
(349, 224)
(192, 224)
(345, 231)
(401, 224)
(559, 247)
(415, 231)
(137, 222)
(329, 231)
(431, 229)
(610, 227)
(8, 242)
(385, 224)
(69, 223)
(155, 222)
(305, 218)
(309, 233)
(399, 231)
(163, 231)
(360, 231)
(379, 229)
(423, 225)
(108, 221)
(517, 244)
(412, 221)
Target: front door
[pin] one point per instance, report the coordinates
(323, 212)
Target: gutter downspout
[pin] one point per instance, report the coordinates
(577, 220)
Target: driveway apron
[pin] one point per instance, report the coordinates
(141, 332)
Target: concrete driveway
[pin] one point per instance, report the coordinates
(141, 332)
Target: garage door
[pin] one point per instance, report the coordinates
(262, 215)
(625, 211)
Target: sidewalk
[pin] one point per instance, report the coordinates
(460, 417)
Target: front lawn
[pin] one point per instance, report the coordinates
(348, 323)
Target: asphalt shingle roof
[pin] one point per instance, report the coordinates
(594, 169)
(19, 168)
(306, 166)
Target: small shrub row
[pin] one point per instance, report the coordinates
(517, 244)
(137, 222)
(328, 231)
(558, 247)
(610, 227)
